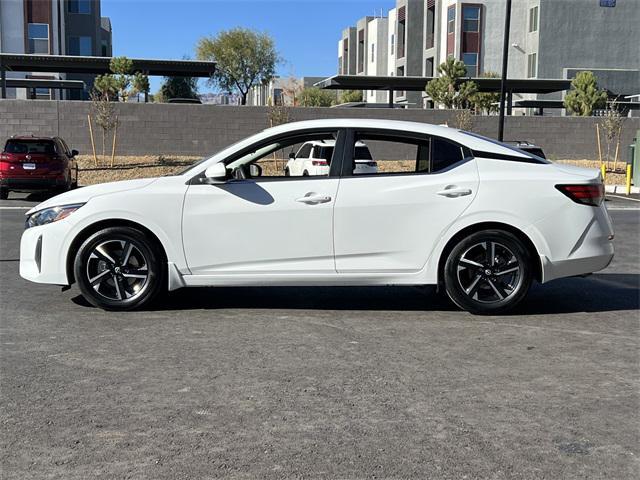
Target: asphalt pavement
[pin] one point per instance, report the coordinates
(322, 382)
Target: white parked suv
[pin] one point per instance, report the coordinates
(314, 158)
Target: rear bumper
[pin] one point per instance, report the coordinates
(33, 183)
(590, 249)
(575, 266)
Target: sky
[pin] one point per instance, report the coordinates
(306, 32)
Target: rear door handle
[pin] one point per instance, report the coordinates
(452, 191)
(312, 198)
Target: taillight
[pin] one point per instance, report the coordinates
(4, 157)
(319, 163)
(585, 194)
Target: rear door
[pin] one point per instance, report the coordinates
(390, 221)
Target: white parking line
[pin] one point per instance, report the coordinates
(16, 208)
(624, 198)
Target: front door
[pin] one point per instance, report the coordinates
(268, 224)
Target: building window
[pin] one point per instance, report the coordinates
(533, 19)
(393, 43)
(373, 52)
(532, 65)
(80, 6)
(431, 26)
(428, 67)
(470, 61)
(400, 73)
(402, 31)
(38, 34)
(471, 19)
(451, 19)
(361, 51)
(104, 49)
(80, 46)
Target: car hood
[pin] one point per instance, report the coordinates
(84, 194)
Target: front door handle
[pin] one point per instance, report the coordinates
(313, 198)
(452, 191)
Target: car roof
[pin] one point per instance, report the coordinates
(30, 137)
(473, 141)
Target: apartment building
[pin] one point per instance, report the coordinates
(409, 32)
(376, 56)
(549, 39)
(53, 27)
(347, 52)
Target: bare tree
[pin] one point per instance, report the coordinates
(612, 122)
(104, 112)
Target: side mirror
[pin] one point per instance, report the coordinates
(255, 170)
(74, 152)
(292, 156)
(216, 173)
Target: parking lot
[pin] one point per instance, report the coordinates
(322, 382)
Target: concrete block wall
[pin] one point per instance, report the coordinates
(174, 129)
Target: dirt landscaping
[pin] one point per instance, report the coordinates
(129, 167)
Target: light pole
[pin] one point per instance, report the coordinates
(505, 62)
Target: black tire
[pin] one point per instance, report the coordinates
(488, 272)
(120, 285)
(305, 174)
(4, 193)
(287, 173)
(74, 183)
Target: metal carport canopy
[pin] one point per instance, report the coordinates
(44, 83)
(418, 84)
(100, 65)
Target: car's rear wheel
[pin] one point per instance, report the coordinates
(488, 272)
(4, 193)
(119, 268)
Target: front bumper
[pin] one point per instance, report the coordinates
(42, 254)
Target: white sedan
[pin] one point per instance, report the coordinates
(478, 218)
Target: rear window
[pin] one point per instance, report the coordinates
(510, 147)
(362, 153)
(30, 146)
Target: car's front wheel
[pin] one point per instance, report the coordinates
(488, 272)
(119, 268)
(4, 193)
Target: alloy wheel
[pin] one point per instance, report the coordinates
(117, 270)
(489, 272)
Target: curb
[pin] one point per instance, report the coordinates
(620, 189)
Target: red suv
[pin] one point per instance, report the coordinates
(37, 163)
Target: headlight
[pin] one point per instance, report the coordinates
(50, 215)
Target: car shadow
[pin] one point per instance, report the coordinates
(248, 190)
(598, 293)
(39, 196)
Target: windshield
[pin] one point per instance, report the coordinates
(510, 147)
